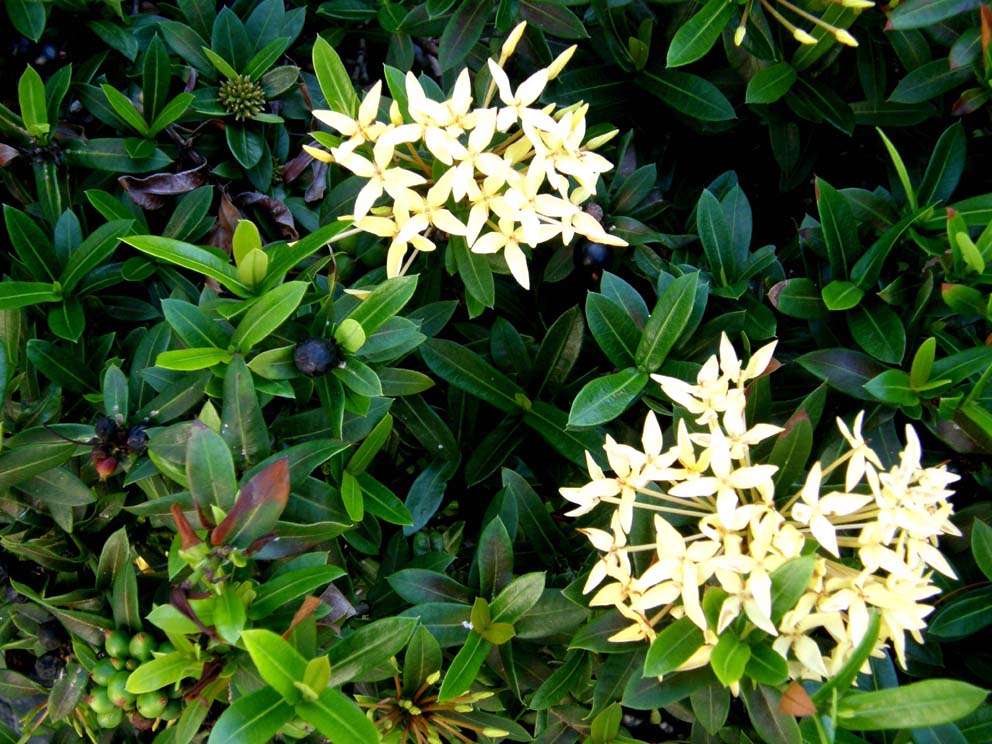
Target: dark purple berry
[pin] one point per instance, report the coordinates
(48, 667)
(316, 355)
(106, 428)
(137, 439)
(594, 257)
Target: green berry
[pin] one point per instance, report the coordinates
(172, 710)
(132, 664)
(117, 690)
(111, 719)
(117, 643)
(151, 704)
(141, 646)
(103, 671)
(99, 702)
(165, 648)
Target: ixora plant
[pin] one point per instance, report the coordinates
(516, 175)
(758, 585)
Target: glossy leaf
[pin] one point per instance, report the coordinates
(603, 399)
(930, 702)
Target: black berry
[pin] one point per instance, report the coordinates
(316, 355)
(106, 428)
(48, 667)
(592, 256)
(137, 439)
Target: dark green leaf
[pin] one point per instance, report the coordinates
(469, 372)
(771, 83)
(462, 32)
(688, 94)
(603, 399)
(672, 646)
(697, 36)
(930, 702)
(667, 322)
(252, 719)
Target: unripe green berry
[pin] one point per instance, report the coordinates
(117, 690)
(141, 646)
(132, 664)
(98, 701)
(103, 671)
(151, 704)
(116, 643)
(111, 719)
(172, 710)
(165, 648)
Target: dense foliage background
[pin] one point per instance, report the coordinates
(280, 543)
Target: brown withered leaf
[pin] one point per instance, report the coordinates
(148, 192)
(318, 186)
(310, 603)
(278, 211)
(8, 153)
(796, 701)
(222, 232)
(296, 166)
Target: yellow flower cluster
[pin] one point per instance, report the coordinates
(799, 34)
(504, 176)
(736, 532)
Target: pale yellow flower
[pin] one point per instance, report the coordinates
(516, 104)
(815, 510)
(364, 128)
(381, 176)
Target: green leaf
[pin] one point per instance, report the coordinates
(464, 668)
(789, 583)
(469, 372)
(868, 268)
(243, 426)
(170, 113)
(963, 615)
(668, 320)
(210, 470)
(711, 704)
(190, 257)
(797, 298)
(97, 248)
(14, 295)
(561, 681)
(929, 81)
(930, 702)
(252, 719)
(229, 614)
(474, 270)
(278, 663)
(552, 18)
(278, 592)
(839, 229)
(771, 83)
(791, 451)
(714, 234)
(698, 35)
(155, 76)
(269, 312)
(603, 399)
(900, 166)
(382, 502)
(688, 94)
(31, 245)
(419, 585)
(124, 599)
(359, 378)
(729, 658)
(368, 647)
(517, 598)
(771, 724)
(60, 366)
(462, 32)
(338, 718)
(945, 167)
(841, 295)
(981, 546)
(125, 109)
(111, 155)
(333, 79)
(58, 486)
(879, 331)
(163, 671)
(246, 144)
(31, 97)
(893, 387)
(384, 302)
(193, 359)
(614, 330)
(672, 647)
(27, 16)
(924, 13)
(229, 38)
(193, 326)
(766, 666)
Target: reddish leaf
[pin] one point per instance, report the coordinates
(7, 153)
(318, 186)
(259, 505)
(296, 166)
(796, 702)
(278, 211)
(147, 192)
(186, 532)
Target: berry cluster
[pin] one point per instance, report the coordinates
(108, 695)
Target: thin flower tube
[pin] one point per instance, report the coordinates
(721, 530)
